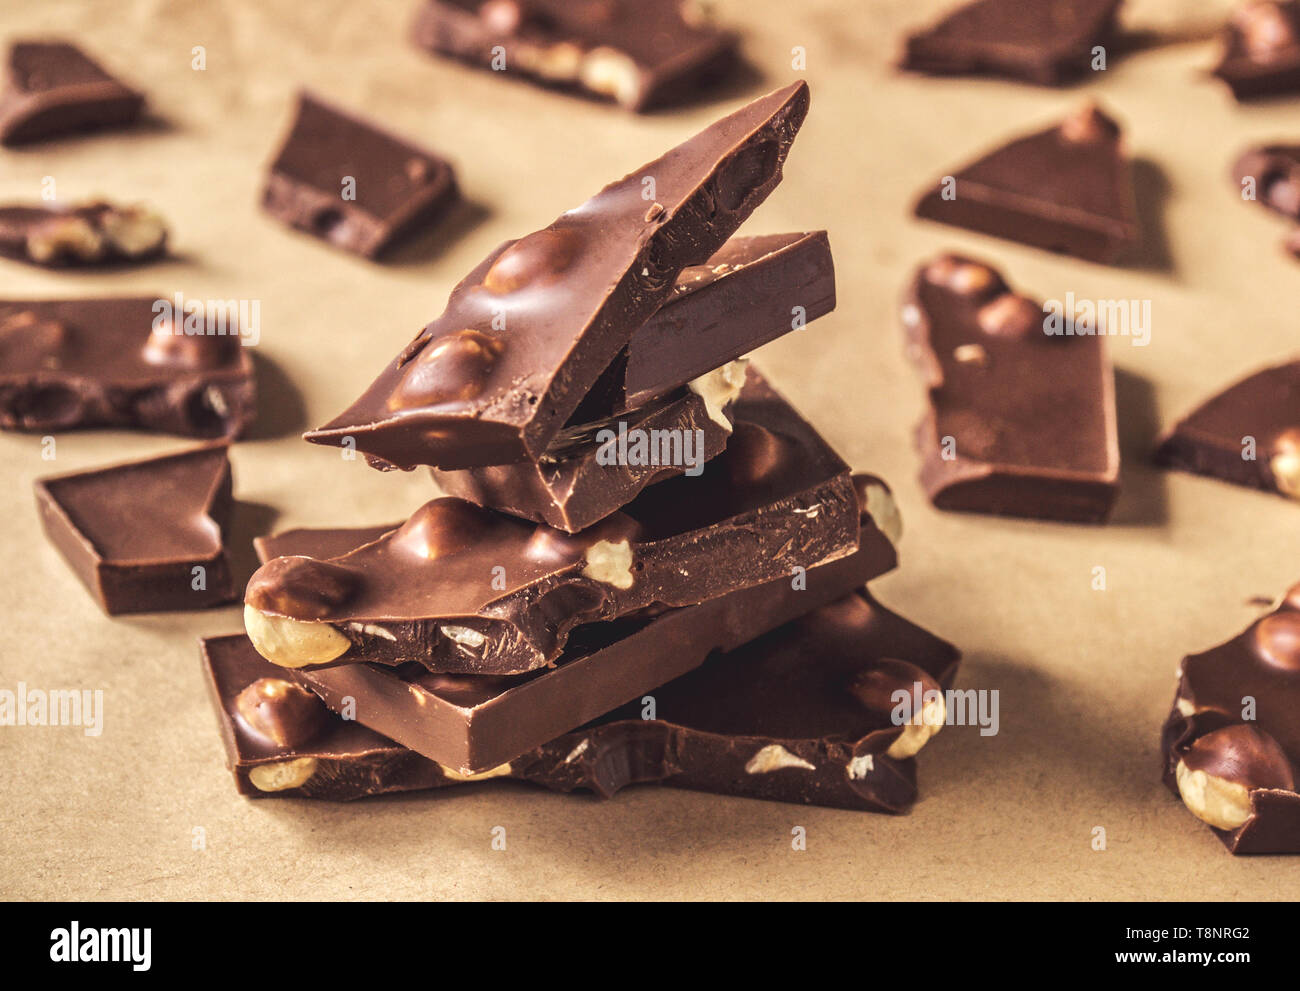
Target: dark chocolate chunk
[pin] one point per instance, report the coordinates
(1022, 401)
(1261, 50)
(779, 719)
(145, 536)
(458, 588)
(94, 234)
(1249, 434)
(570, 297)
(1232, 742)
(53, 88)
(593, 470)
(640, 53)
(347, 182)
(1066, 189)
(75, 363)
(1050, 42)
(474, 723)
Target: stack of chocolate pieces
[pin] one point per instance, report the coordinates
(648, 565)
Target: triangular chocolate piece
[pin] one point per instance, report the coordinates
(146, 536)
(1047, 41)
(53, 88)
(1066, 189)
(1261, 50)
(1249, 434)
(529, 331)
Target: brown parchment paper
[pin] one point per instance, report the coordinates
(1085, 677)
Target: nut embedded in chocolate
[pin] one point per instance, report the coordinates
(1088, 124)
(283, 775)
(534, 260)
(879, 689)
(961, 276)
(1277, 639)
(1217, 773)
(1284, 463)
(441, 527)
(282, 712)
(1265, 29)
(300, 587)
(169, 347)
(1010, 315)
(451, 368)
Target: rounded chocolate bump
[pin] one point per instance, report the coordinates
(553, 547)
(27, 330)
(282, 712)
(1292, 598)
(876, 502)
(503, 16)
(1282, 193)
(1011, 316)
(451, 368)
(532, 261)
(1217, 773)
(170, 347)
(441, 527)
(1284, 462)
(1088, 124)
(300, 587)
(1265, 28)
(908, 696)
(1276, 639)
(964, 277)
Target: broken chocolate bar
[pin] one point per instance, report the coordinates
(53, 89)
(1066, 189)
(458, 588)
(640, 53)
(1249, 434)
(94, 234)
(593, 470)
(145, 536)
(1232, 742)
(1261, 50)
(466, 393)
(1050, 42)
(473, 723)
(347, 182)
(803, 722)
(75, 363)
(1022, 401)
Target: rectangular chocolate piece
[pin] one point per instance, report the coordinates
(593, 470)
(1022, 420)
(466, 393)
(640, 53)
(345, 181)
(93, 234)
(145, 536)
(74, 363)
(1232, 742)
(473, 723)
(458, 588)
(52, 89)
(1261, 50)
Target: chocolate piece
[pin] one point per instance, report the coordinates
(1066, 189)
(347, 182)
(595, 469)
(1022, 401)
(75, 363)
(145, 536)
(791, 728)
(458, 588)
(639, 53)
(1248, 434)
(1275, 170)
(465, 393)
(1050, 42)
(94, 234)
(1261, 50)
(1232, 742)
(476, 722)
(53, 88)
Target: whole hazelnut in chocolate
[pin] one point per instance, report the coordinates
(1276, 640)
(282, 712)
(1011, 316)
(300, 587)
(532, 261)
(907, 696)
(1284, 462)
(1217, 773)
(451, 368)
(964, 277)
(169, 346)
(441, 527)
(1265, 28)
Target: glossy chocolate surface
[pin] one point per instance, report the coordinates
(53, 89)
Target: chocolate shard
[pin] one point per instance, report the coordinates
(474, 723)
(1261, 50)
(346, 182)
(1066, 189)
(145, 536)
(1022, 402)
(74, 363)
(458, 588)
(465, 394)
(641, 54)
(1050, 42)
(53, 88)
(1231, 743)
(93, 234)
(1248, 434)
(593, 470)
(792, 728)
